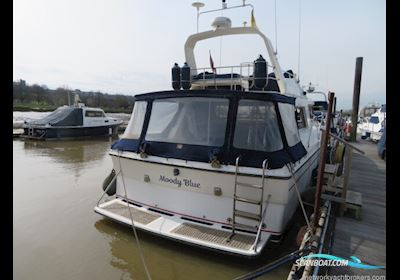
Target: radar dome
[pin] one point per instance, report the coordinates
(221, 23)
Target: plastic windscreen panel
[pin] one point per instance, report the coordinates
(257, 127)
(189, 120)
(135, 125)
(289, 123)
(374, 120)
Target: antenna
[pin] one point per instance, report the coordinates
(198, 5)
(298, 63)
(276, 33)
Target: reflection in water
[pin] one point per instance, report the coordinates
(74, 155)
(58, 236)
(70, 152)
(167, 259)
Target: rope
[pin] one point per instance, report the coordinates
(133, 226)
(298, 195)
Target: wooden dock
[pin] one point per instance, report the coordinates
(365, 239)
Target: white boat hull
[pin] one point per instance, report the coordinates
(191, 194)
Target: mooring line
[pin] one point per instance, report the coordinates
(290, 168)
(133, 226)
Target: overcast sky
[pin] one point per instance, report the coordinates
(129, 46)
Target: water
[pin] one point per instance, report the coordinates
(57, 235)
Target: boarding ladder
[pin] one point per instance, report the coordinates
(255, 216)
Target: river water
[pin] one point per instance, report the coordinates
(57, 235)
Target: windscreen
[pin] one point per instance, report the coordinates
(189, 120)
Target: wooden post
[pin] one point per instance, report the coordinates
(322, 160)
(356, 98)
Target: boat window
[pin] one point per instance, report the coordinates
(189, 120)
(374, 119)
(94, 114)
(135, 125)
(257, 127)
(289, 123)
(301, 121)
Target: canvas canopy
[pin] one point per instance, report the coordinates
(206, 125)
(63, 116)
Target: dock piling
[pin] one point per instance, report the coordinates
(322, 160)
(356, 98)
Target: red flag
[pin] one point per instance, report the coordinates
(212, 64)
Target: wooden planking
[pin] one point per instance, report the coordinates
(365, 239)
(354, 198)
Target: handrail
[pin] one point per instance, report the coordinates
(261, 223)
(234, 200)
(264, 166)
(344, 142)
(233, 81)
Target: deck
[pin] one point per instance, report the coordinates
(365, 239)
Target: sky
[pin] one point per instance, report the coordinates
(129, 46)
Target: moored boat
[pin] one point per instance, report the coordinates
(218, 163)
(69, 122)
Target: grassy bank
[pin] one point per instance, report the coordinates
(33, 107)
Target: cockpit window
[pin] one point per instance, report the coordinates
(189, 120)
(257, 127)
(94, 114)
(374, 120)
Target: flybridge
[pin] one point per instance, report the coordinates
(259, 75)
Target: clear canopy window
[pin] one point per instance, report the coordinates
(289, 123)
(189, 120)
(135, 125)
(257, 127)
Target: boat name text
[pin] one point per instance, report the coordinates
(179, 182)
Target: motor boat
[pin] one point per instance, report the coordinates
(373, 126)
(69, 122)
(216, 162)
